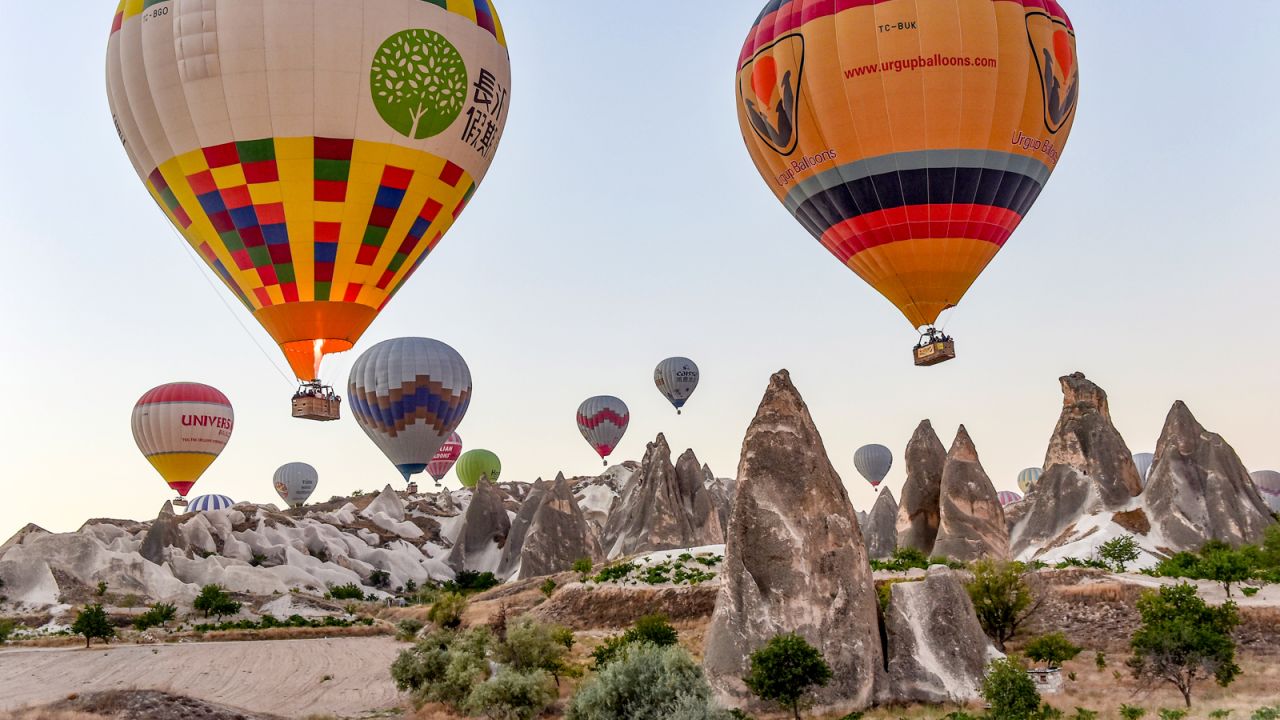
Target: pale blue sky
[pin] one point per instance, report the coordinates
(623, 222)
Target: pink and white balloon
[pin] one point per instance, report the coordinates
(603, 420)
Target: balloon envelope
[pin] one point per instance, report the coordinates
(1028, 478)
(1007, 497)
(873, 463)
(477, 465)
(181, 428)
(445, 457)
(295, 482)
(305, 161)
(209, 503)
(909, 138)
(408, 395)
(1268, 483)
(603, 420)
(676, 378)
(1144, 462)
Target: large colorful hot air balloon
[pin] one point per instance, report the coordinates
(295, 482)
(445, 457)
(873, 463)
(1144, 461)
(181, 428)
(408, 395)
(603, 421)
(477, 465)
(1008, 497)
(676, 378)
(1028, 478)
(1268, 483)
(312, 152)
(210, 503)
(909, 138)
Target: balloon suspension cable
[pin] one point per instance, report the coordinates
(201, 271)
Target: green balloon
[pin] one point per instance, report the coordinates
(477, 464)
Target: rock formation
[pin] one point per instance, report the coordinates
(937, 650)
(509, 565)
(28, 531)
(881, 531)
(918, 514)
(1088, 469)
(1199, 490)
(558, 534)
(663, 506)
(484, 532)
(794, 562)
(971, 522)
(162, 535)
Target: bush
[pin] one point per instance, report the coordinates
(349, 591)
(1170, 714)
(1119, 552)
(1131, 712)
(447, 610)
(1220, 714)
(902, 560)
(469, 581)
(512, 695)
(1182, 638)
(1100, 660)
(6, 629)
(1266, 713)
(1052, 650)
(408, 629)
(650, 629)
(647, 683)
(102, 589)
(1084, 714)
(92, 622)
(380, 578)
(157, 615)
(213, 600)
(1001, 598)
(1010, 691)
(530, 646)
(785, 669)
(443, 666)
(582, 566)
(548, 587)
(616, 571)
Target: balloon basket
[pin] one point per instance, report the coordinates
(180, 502)
(314, 401)
(934, 353)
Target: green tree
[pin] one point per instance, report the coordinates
(512, 695)
(158, 614)
(1052, 650)
(447, 610)
(1002, 598)
(1119, 552)
(444, 666)
(582, 566)
(213, 600)
(92, 622)
(530, 645)
(6, 629)
(1010, 691)
(1224, 564)
(785, 670)
(647, 683)
(1182, 640)
(419, 83)
(102, 588)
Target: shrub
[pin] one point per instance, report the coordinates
(408, 629)
(1220, 714)
(92, 622)
(530, 646)
(1266, 713)
(1119, 552)
(102, 588)
(785, 670)
(647, 683)
(1182, 638)
(443, 666)
(158, 614)
(410, 586)
(1001, 598)
(582, 566)
(548, 587)
(447, 610)
(1010, 691)
(213, 600)
(349, 591)
(1170, 714)
(1131, 712)
(469, 581)
(6, 629)
(1100, 660)
(650, 629)
(512, 695)
(1052, 650)
(1084, 714)
(616, 571)
(380, 578)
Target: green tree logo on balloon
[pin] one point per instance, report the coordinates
(419, 83)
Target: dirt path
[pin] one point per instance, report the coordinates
(282, 677)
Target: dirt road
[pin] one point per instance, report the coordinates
(282, 677)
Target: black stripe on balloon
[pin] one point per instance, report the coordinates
(926, 186)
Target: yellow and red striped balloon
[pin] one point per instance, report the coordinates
(181, 428)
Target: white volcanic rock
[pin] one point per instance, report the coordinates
(918, 514)
(558, 534)
(484, 531)
(387, 503)
(971, 520)
(881, 530)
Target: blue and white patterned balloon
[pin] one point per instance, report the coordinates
(209, 503)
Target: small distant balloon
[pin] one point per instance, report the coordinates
(209, 503)
(676, 378)
(181, 428)
(873, 463)
(445, 457)
(1028, 478)
(295, 482)
(1268, 482)
(477, 465)
(1144, 462)
(603, 420)
(1008, 497)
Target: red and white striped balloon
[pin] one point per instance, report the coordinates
(603, 421)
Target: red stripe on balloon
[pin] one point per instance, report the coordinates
(976, 222)
(184, 392)
(602, 417)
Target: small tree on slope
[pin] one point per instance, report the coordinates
(92, 623)
(1182, 639)
(785, 670)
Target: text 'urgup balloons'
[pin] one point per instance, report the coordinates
(477, 465)
(445, 457)
(676, 378)
(603, 421)
(313, 153)
(295, 482)
(1028, 478)
(873, 463)
(181, 428)
(408, 395)
(909, 138)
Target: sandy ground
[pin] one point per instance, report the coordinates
(283, 677)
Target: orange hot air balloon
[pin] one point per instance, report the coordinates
(909, 138)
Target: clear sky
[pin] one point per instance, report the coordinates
(623, 222)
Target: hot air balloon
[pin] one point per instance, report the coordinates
(1268, 483)
(181, 428)
(603, 421)
(445, 457)
(1028, 478)
(1144, 461)
(477, 465)
(210, 503)
(295, 482)
(312, 153)
(408, 395)
(873, 463)
(1007, 497)
(676, 378)
(912, 142)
